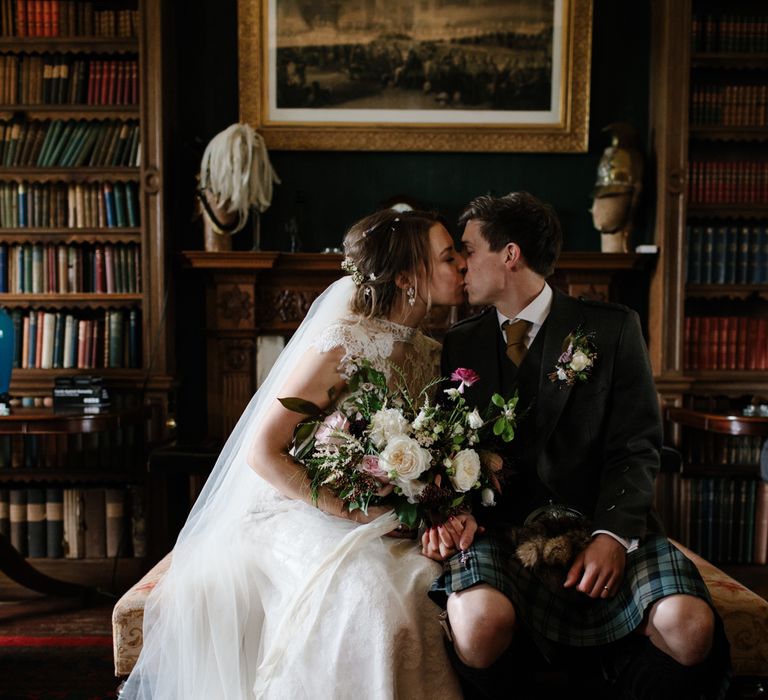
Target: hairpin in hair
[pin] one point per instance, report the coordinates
(348, 265)
(392, 225)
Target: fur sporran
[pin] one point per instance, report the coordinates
(549, 541)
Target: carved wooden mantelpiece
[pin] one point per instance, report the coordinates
(249, 294)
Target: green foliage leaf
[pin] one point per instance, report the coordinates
(408, 513)
(499, 426)
(498, 400)
(297, 405)
(303, 440)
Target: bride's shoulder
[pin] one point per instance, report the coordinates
(345, 332)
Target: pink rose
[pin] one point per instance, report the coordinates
(467, 377)
(335, 423)
(370, 465)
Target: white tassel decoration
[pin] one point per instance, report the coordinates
(236, 169)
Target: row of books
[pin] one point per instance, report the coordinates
(112, 268)
(719, 449)
(725, 342)
(65, 18)
(723, 519)
(70, 143)
(735, 182)
(50, 79)
(104, 452)
(69, 205)
(727, 254)
(729, 32)
(55, 339)
(729, 105)
(74, 523)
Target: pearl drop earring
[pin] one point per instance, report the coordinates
(411, 293)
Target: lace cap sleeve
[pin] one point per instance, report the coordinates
(356, 341)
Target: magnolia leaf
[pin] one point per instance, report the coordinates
(303, 440)
(297, 405)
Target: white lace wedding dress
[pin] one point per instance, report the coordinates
(295, 604)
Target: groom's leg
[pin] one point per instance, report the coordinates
(482, 622)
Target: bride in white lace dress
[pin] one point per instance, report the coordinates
(271, 595)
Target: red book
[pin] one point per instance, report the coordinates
(21, 18)
(687, 343)
(103, 84)
(761, 360)
(722, 342)
(39, 339)
(752, 349)
(742, 337)
(112, 83)
(37, 14)
(93, 71)
(55, 17)
(120, 83)
(732, 335)
(98, 270)
(134, 82)
(45, 19)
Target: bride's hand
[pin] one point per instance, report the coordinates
(443, 541)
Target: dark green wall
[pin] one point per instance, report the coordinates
(339, 187)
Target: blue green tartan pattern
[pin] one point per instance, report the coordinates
(654, 570)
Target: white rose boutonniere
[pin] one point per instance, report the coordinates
(576, 360)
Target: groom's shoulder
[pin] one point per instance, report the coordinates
(467, 325)
(600, 306)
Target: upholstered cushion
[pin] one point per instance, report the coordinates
(744, 613)
(128, 617)
(745, 616)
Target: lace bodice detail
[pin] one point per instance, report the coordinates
(376, 340)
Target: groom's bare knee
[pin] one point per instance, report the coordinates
(482, 623)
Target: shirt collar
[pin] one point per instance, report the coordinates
(536, 312)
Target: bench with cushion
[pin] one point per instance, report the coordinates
(744, 614)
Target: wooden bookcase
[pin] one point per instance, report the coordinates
(708, 309)
(85, 80)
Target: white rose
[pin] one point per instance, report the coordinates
(387, 424)
(466, 466)
(488, 497)
(579, 361)
(404, 459)
(474, 420)
(411, 489)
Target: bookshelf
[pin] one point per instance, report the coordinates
(82, 250)
(708, 307)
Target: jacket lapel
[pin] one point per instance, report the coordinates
(484, 359)
(564, 317)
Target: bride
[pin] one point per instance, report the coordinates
(272, 595)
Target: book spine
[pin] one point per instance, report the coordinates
(18, 520)
(36, 528)
(5, 513)
(116, 530)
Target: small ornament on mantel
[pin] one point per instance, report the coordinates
(235, 182)
(617, 188)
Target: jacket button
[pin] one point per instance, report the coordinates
(611, 507)
(620, 492)
(626, 468)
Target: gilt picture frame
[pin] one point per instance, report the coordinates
(416, 75)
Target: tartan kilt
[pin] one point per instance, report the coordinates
(656, 569)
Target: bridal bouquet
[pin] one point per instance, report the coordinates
(385, 447)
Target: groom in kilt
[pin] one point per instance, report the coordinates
(632, 619)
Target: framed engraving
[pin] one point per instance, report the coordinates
(416, 75)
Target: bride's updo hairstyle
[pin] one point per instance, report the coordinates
(378, 248)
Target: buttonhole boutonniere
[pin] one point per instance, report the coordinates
(577, 359)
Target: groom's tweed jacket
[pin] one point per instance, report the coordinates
(594, 445)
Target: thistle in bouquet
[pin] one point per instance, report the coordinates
(386, 447)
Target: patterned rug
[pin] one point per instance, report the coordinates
(58, 656)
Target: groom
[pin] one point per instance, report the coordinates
(589, 439)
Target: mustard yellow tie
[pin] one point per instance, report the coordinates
(516, 334)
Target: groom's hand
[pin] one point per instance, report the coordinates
(599, 569)
(443, 541)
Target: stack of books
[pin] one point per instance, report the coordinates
(80, 394)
